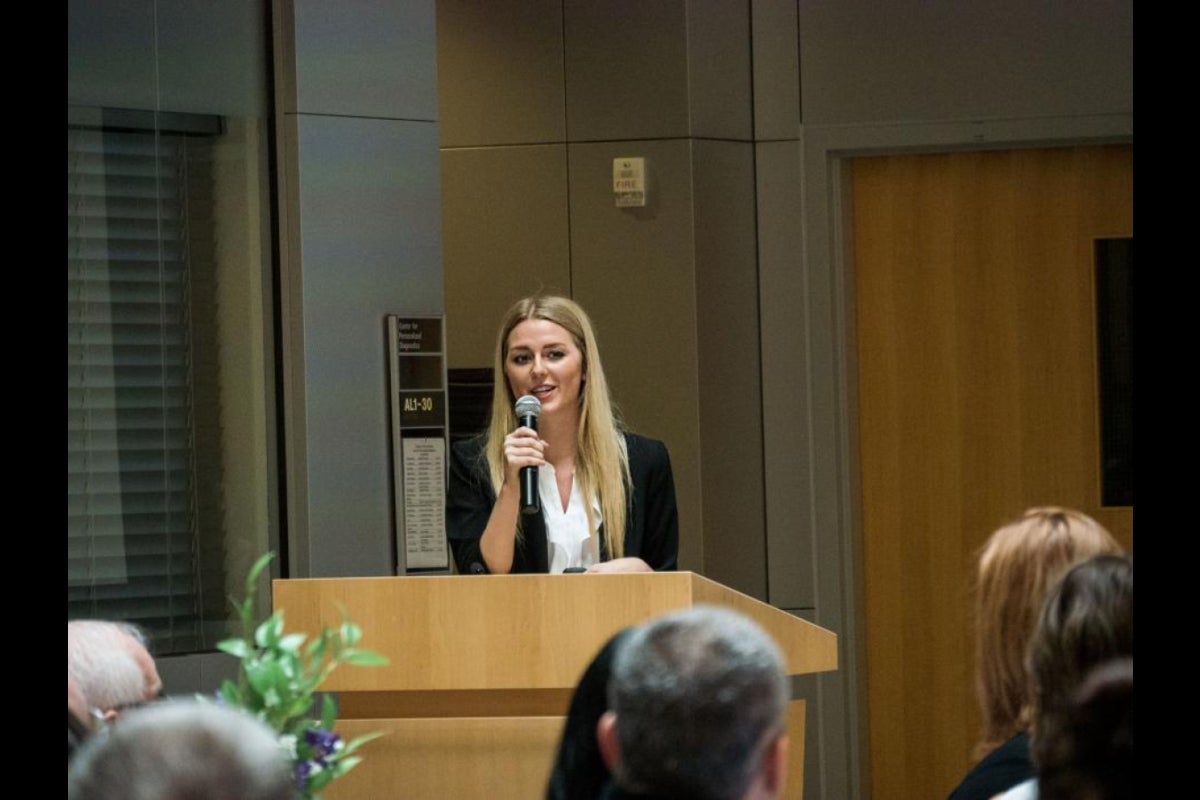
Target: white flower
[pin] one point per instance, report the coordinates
(288, 743)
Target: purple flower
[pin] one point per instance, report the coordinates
(303, 770)
(323, 742)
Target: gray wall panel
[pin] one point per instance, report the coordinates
(776, 37)
(500, 72)
(197, 74)
(912, 60)
(504, 221)
(366, 58)
(369, 211)
(626, 68)
(205, 53)
(735, 547)
(786, 401)
(632, 269)
(111, 55)
(718, 58)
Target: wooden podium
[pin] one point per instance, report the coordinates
(483, 667)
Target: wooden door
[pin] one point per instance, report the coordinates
(977, 398)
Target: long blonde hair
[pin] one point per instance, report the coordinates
(1018, 565)
(601, 460)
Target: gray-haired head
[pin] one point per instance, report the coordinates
(182, 750)
(111, 663)
(698, 695)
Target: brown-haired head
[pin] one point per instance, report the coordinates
(1018, 565)
(1084, 750)
(1086, 620)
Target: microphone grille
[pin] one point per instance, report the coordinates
(527, 406)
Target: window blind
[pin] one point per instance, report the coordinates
(130, 477)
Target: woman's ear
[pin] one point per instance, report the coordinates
(606, 738)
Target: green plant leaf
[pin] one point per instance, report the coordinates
(347, 764)
(229, 693)
(267, 634)
(291, 643)
(359, 741)
(364, 658)
(295, 711)
(315, 651)
(280, 675)
(238, 648)
(328, 712)
(256, 570)
(319, 781)
(350, 633)
(265, 675)
(271, 701)
(246, 607)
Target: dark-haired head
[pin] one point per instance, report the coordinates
(579, 769)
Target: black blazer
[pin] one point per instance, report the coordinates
(652, 520)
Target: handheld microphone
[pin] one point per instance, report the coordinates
(527, 409)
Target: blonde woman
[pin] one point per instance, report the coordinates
(1018, 566)
(607, 495)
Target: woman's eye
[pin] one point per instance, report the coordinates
(520, 358)
(556, 355)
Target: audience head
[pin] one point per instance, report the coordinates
(182, 750)
(579, 769)
(1086, 751)
(79, 717)
(1018, 565)
(1086, 621)
(697, 701)
(111, 664)
(77, 704)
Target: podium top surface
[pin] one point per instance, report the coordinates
(502, 632)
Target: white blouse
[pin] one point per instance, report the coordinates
(569, 541)
(1027, 790)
